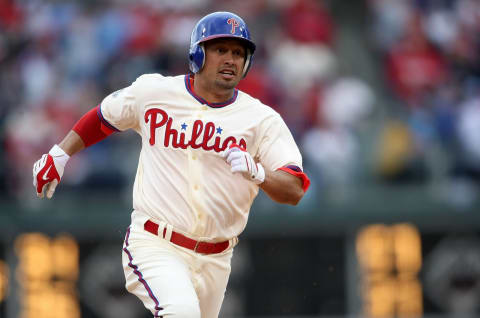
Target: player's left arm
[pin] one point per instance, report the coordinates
(277, 168)
(283, 187)
(286, 185)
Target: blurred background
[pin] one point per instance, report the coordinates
(382, 97)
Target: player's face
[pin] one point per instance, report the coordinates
(224, 60)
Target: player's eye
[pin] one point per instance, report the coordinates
(239, 53)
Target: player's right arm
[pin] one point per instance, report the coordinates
(117, 112)
(72, 143)
(48, 170)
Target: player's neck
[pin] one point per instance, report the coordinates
(210, 93)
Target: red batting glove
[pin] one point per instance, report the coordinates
(48, 171)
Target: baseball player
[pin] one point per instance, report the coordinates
(207, 148)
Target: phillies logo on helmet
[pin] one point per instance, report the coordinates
(234, 24)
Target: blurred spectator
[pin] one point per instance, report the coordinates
(389, 19)
(258, 83)
(469, 133)
(308, 21)
(397, 160)
(332, 147)
(11, 16)
(414, 65)
(432, 51)
(300, 52)
(298, 65)
(37, 78)
(347, 102)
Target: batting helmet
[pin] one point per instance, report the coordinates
(218, 25)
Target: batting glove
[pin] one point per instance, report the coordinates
(241, 161)
(48, 171)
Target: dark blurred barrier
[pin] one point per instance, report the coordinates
(296, 276)
(63, 276)
(388, 258)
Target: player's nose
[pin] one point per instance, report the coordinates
(228, 57)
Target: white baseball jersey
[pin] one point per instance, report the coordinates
(182, 178)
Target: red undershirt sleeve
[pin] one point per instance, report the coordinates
(296, 171)
(92, 127)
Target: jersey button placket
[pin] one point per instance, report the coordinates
(196, 188)
(195, 161)
(202, 111)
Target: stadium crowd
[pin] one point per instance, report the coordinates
(60, 58)
(429, 52)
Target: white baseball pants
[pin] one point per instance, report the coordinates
(173, 281)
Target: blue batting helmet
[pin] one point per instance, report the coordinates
(218, 25)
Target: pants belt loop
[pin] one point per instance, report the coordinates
(232, 242)
(168, 233)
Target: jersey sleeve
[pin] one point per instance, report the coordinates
(277, 147)
(119, 111)
(278, 150)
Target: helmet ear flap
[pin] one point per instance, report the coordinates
(248, 63)
(197, 58)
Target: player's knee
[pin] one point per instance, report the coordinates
(186, 311)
